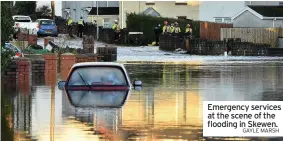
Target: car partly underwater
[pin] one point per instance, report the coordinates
(98, 84)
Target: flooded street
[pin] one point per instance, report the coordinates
(168, 107)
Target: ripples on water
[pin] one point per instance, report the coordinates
(168, 107)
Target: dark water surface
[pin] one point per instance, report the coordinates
(168, 107)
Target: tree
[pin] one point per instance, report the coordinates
(25, 7)
(43, 12)
(6, 21)
(6, 31)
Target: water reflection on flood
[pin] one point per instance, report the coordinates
(168, 107)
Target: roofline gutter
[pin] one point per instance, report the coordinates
(272, 18)
(256, 14)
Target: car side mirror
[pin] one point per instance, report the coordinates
(137, 83)
(61, 85)
(138, 88)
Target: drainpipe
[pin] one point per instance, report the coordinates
(122, 20)
(274, 22)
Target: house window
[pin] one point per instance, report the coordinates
(218, 20)
(106, 23)
(227, 20)
(149, 3)
(182, 17)
(181, 3)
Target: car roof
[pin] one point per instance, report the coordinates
(98, 64)
(110, 64)
(20, 16)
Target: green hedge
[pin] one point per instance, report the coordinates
(146, 24)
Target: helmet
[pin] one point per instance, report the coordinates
(172, 24)
(116, 21)
(176, 24)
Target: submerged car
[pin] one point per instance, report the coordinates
(46, 27)
(98, 76)
(98, 84)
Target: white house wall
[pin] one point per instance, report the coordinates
(247, 19)
(210, 9)
(78, 5)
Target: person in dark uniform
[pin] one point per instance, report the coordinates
(157, 31)
(81, 24)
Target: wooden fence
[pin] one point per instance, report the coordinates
(254, 35)
(211, 31)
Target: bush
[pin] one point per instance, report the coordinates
(6, 55)
(31, 50)
(146, 24)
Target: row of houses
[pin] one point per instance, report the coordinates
(240, 13)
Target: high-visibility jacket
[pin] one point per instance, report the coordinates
(81, 22)
(166, 28)
(116, 27)
(177, 30)
(70, 21)
(172, 29)
(188, 30)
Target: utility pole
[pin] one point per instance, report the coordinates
(97, 29)
(53, 10)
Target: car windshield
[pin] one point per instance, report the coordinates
(97, 98)
(47, 22)
(97, 76)
(22, 19)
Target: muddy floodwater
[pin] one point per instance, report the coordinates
(169, 106)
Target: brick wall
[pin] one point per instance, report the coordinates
(18, 74)
(88, 44)
(24, 69)
(67, 61)
(50, 69)
(86, 58)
